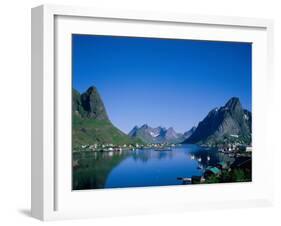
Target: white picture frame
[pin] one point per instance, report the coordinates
(52, 197)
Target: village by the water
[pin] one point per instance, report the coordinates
(160, 112)
(235, 158)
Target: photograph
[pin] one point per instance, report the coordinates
(150, 111)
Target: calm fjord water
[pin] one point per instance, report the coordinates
(140, 168)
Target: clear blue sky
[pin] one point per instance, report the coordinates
(161, 82)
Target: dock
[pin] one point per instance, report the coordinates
(185, 179)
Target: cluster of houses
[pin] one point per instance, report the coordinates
(216, 170)
(243, 163)
(123, 147)
(236, 150)
(241, 156)
(105, 147)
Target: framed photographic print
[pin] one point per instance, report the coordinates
(137, 112)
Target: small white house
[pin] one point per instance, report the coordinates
(248, 149)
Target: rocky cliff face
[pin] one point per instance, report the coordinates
(227, 122)
(89, 104)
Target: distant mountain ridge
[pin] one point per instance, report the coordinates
(90, 121)
(158, 135)
(223, 124)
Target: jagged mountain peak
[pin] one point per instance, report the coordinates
(92, 105)
(223, 122)
(155, 135)
(145, 126)
(233, 103)
(89, 104)
(91, 89)
(170, 134)
(133, 131)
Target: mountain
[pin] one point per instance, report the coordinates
(89, 104)
(188, 133)
(90, 121)
(224, 124)
(156, 135)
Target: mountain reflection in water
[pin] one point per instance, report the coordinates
(140, 168)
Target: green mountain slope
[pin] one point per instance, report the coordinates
(90, 122)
